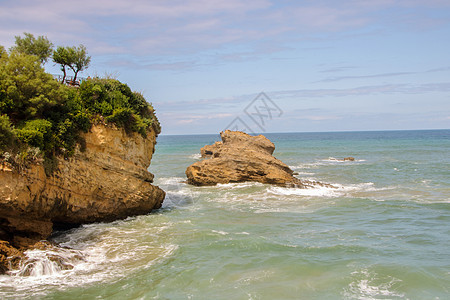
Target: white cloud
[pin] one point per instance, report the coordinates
(160, 27)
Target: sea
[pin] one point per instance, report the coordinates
(382, 233)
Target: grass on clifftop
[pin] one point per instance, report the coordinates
(42, 117)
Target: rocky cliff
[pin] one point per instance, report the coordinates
(107, 181)
(240, 157)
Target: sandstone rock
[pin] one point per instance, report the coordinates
(349, 158)
(9, 257)
(241, 157)
(108, 181)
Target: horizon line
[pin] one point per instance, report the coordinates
(336, 131)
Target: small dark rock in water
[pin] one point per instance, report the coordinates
(349, 158)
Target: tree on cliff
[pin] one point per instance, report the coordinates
(80, 60)
(39, 116)
(62, 57)
(40, 46)
(75, 58)
(26, 91)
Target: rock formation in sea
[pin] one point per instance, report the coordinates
(106, 181)
(240, 157)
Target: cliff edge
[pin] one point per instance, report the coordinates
(106, 181)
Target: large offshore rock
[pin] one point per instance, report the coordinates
(107, 181)
(239, 158)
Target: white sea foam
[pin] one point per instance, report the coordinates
(51, 262)
(178, 199)
(195, 156)
(238, 185)
(324, 162)
(93, 253)
(313, 165)
(171, 181)
(341, 160)
(368, 285)
(337, 190)
(220, 232)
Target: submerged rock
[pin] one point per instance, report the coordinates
(240, 157)
(107, 181)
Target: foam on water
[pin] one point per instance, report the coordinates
(170, 181)
(51, 262)
(196, 156)
(369, 285)
(239, 185)
(338, 190)
(380, 234)
(92, 253)
(325, 162)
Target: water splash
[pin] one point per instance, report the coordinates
(48, 262)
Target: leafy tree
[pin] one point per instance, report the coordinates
(26, 91)
(40, 46)
(40, 116)
(79, 59)
(2, 52)
(75, 58)
(62, 57)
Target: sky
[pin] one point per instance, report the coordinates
(260, 65)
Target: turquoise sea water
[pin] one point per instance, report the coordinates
(384, 233)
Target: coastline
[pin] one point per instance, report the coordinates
(382, 232)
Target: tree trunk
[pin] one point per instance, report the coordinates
(64, 72)
(75, 78)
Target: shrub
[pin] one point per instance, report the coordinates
(122, 117)
(35, 132)
(39, 113)
(7, 136)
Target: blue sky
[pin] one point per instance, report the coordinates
(327, 65)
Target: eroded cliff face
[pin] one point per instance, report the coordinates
(107, 181)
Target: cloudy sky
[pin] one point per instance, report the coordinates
(323, 65)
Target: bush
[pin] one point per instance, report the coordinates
(122, 117)
(37, 133)
(7, 136)
(38, 112)
(119, 105)
(26, 91)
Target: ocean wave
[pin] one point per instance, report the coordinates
(239, 185)
(370, 285)
(337, 190)
(342, 160)
(178, 199)
(99, 252)
(170, 181)
(324, 162)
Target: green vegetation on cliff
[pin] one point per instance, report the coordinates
(41, 116)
